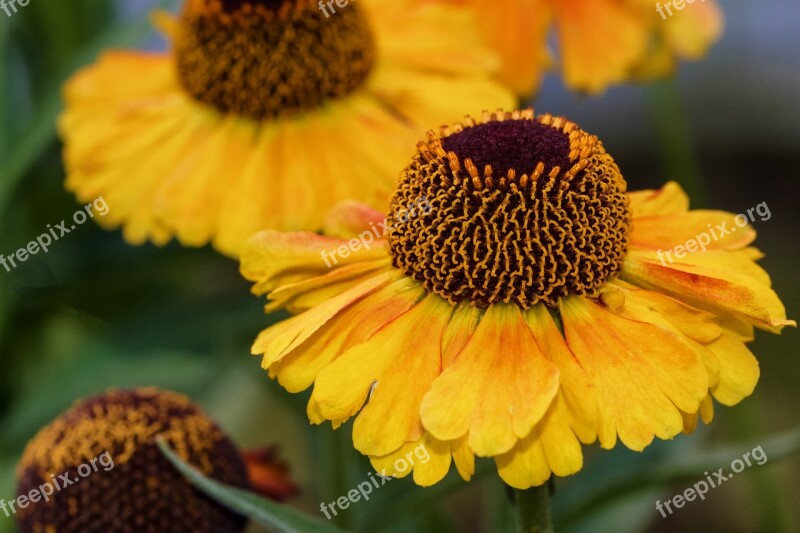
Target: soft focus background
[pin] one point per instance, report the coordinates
(95, 313)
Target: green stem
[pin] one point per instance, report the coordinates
(674, 133)
(533, 510)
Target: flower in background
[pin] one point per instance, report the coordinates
(269, 475)
(525, 313)
(266, 113)
(141, 491)
(600, 42)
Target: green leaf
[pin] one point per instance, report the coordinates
(278, 517)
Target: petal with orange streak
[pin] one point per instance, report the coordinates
(645, 375)
(576, 385)
(709, 287)
(554, 445)
(696, 324)
(497, 388)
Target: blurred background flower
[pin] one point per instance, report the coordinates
(597, 44)
(95, 313)
(266, 117)
(100, 468)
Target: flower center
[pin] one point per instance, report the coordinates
(269, 58)
(524, 209)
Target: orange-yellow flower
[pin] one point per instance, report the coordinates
(599, 42)
(515, 308)
(265, 113)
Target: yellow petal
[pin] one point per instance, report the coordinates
(707, 287)
(304, 295)
(600, 42)
(696, 324)
(554, 445)
(738, 370)
(461, 327)
(438, 99)
(690, 32)
(273, 259)
(645, 375)
(706, 413)
(464, 458)
(668, 200)
(426, 457)
(394, 368)
(349, 219)
(297, 370)
(579, 393)
(430, 36)
(277, 341)
(497, 388)
(550, 448)
(694, 231)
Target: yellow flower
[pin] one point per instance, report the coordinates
(97, 468)
(600, 42)
(515, 308)
(265, 113)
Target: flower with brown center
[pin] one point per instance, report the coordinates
(266, 113)
(524, 312)
(106, 473)
(512, 225)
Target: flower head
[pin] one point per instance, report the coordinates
(526, 312)
(266, 113)
(133, 487)
(600, 42)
